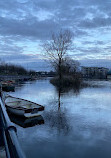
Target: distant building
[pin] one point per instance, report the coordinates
(45, 74)
(94, 72)
(109, 75)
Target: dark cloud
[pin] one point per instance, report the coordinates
(95, 22)
(27, 27)
(96, 62)
(19, 58)
(93, 42)
(94, 51)
(7, 49)
(19, 18)
(80, 32)
(22, 21)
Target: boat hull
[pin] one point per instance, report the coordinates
(7, 88)
(22, 107)
(15, 111)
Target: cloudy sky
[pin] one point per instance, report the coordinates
(25, 24)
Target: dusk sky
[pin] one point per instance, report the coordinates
(26, 24)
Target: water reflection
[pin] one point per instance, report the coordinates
(65, 90)
(77, 122)
(58, 120)
(26, 122)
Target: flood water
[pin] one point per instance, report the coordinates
(76, 125)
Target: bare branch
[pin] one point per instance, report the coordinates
(56, 49)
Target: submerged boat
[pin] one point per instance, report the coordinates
(22, 107)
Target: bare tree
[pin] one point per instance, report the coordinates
(56, 49)
(70, 66)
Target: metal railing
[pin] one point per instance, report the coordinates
(12, 146)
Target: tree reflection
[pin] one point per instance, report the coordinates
(58, 120)
(57, 117)
(59, 99)
(65, 90)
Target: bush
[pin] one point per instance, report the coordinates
(66, 81)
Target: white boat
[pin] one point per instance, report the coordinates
(22, 107)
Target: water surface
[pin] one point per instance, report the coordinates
(78, 124)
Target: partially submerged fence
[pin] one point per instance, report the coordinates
(12, 146)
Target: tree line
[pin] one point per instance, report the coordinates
(11, 69)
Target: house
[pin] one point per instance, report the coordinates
(94, 72)
(109, 75)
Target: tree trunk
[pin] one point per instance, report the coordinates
(60, 73)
